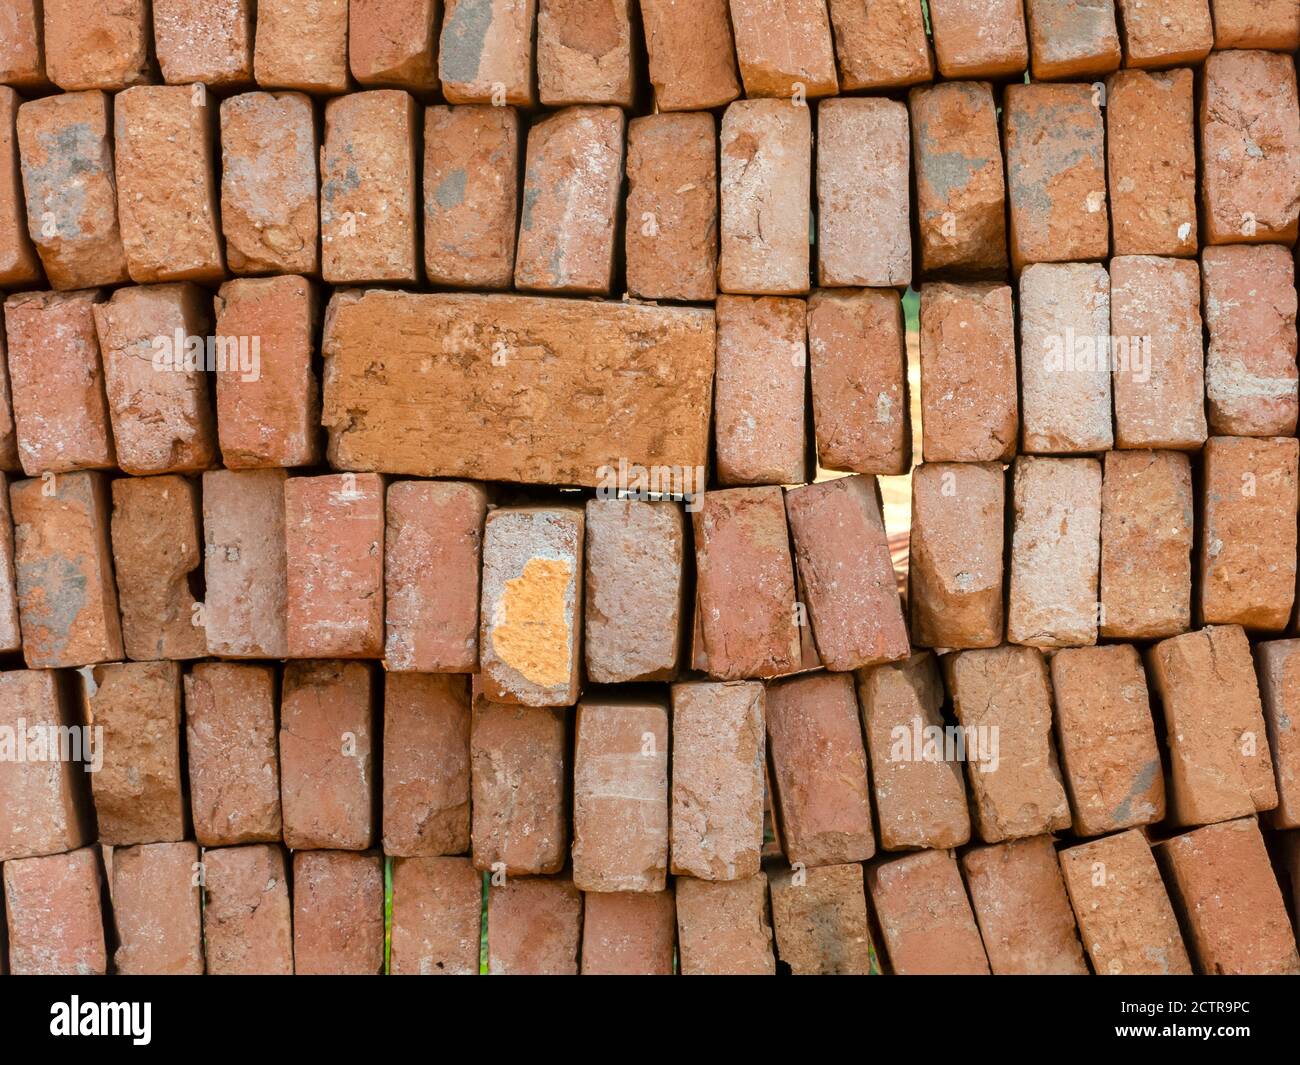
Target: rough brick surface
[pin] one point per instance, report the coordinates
(485, 53)
(723, 927)
(97, 48)
(880, 44)
(584, 52)
(204, 40)
(9, 459)
(1271, 24)
(53, 910)
(925, 916)
(18, 262)
(692, 54)
(1276, 663)
(628, 934)
(247, 919)
(338, 913)
(534, 925)
(10, 628)
(437, 922)
(393, 43)
(156, 910)
(1168, 34)
(784, 48)
(821, 921)
(1071, 40)
(279, 59)
(22, 59)
(978, 38)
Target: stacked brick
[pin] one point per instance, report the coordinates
(443, 528)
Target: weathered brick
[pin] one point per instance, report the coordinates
(426, 764)
(156, 910)
(724, 928)
(1002, 700)
(448, 410)
(1250, 365)
(485, 54)
(1218, 748)
(10, 629)
(1166, 34)
(280, 59)
(67, 168)
(167, 184)
(63, 567)
(1146, 544)
(157, 551)
(53, 911)
(766, 175)
(471, 189)
(820, 921)
(19, 265)
(9, 460)
(201, 40)
(979, 38)
(880, 44)
(433, 550)
(925, 917)
(1222, 881)
(368, 188)
(393, 43)
(327, 734)
(269, 210)
(969, 400)
(234, 765)
(247, 920)
(338, 913)
(584, 52)
(534, 924)
(1247, 553)
(1276, 662)
(1023, 911)
(437, 922)
(245, 570)
(1071, 40)
(628, 933)
(784, 48)
(334, 546)
(1256, 24)
(692, 56)
(22, 58)
(97, 48)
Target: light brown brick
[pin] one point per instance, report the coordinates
(280, 60)
(925, 917)
(247, 919)
(628, 934)
(584, 52)
(19, 265)
(56, 927)
(724, 927)
(437, 917)
(1159, 35)
(22, 58)
(1275, 663)
(201, 40)
(98, 47)
(820, 920)
(156, 910)
(1271, 24)
(784, 48)
(338, 913)
(534, 924)
(393, 43)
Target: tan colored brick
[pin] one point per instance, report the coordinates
(784, 48)
(437, 922)
(1072, 40)
(338, 914)
(820, 921)
(199, 40)
(979, 38)
(534, 924)
(628, 934)
(279, 59)
(1275, 663)
(1166, 34)
(925, 917)
(880, 44)
(584, 52)
(485, 54)
(724, 927)
(156, 910)
(392, 43)
(53, 910)
(104, 47)
(247, 920)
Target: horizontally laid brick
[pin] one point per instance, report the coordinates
(819, 769)
(53, 911)
(1055, 552)
(56, 375)
(765, 181)
(67, 168)
(63, 568)
(1222, 880)
(485, 54)
(247, 920)
(723, 927)
(1166, 34)
(368, 188)
(530, 618)
(393, 43)
(1247, 554)
(1069, 40)
(969, 400)
(244, 569)
(22, 59)
(1001, 695)
(1156, 351)
(97, 48)
(1250, 148)
(1056, 167)
(880, 43)
(1023, 911)
(1218, 747)
(1276, 663)
(268, 398)
(759, 397)
(955, 554)
(1109, 755)
(848, 582)
(628, 934)
(231, 744)
(1151, 162)
(1271, 24)
(820, 920)
(1125, 919)
(745, 584)
(1065, 365)
(155, 891)
(925, 917)
(334, 544)
(140, 791)
(204, 40)
(519, 776)
(167, 184)
(280, 58)
(533, 927)
(338, 913)
(634, 590)
(437, 917)
(671, 234)
(158, 396)
(584, 53)
(269, 213)
(327, 772)
(157, 551)
(717, 780)
(863, 234)
(471, 190)
(1146, 544)
(48, 802)
(464, 394)
(784, 48)
(979, 38)
(433, 550)
(1250, 365)
(426, 771)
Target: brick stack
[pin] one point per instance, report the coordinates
(441, 470)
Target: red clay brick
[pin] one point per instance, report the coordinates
(1276, 663)
(628, 934)
(393, 43)
(433, 549)
(880, 44)
(979, 38)
(925, 917)
(820, 919)
(53, 911)
(784, 48)
(1071, 40)
(156, 910)
(1166, 34)
(19, 265)
(201, 40)
(338, 913)
(97, 48)
(247, 921)
(485, 54)
(327, 734)
(426, 769)
(584, 52)
(437, 922)
(1271, 24)
(534, 924)
(9, 460)
(22, 57)
(724, 927)
(10, 630)
(279, 59)
(234, 764)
